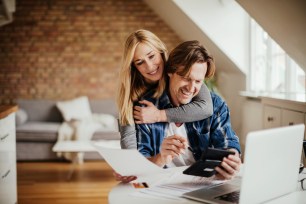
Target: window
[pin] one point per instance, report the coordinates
(272, 70)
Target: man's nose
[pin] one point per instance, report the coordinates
(191, 86)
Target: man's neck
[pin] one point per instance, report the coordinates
(178, 124)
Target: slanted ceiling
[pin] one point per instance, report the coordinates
(284, 21)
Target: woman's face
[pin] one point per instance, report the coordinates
(149, 63)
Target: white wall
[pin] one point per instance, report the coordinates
(284, 21)
(225, 23)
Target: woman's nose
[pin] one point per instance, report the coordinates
(149, 64)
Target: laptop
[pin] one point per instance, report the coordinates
(270, 169)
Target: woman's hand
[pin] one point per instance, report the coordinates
(230, 166)
(148, 114)
(124, 179)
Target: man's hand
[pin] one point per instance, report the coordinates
(148, 114)
(171, 147)
(230, 166)
(124, 179)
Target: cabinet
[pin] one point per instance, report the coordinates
(8, 178)
(279, 116)
(292, 117)
(279, 113)
(272, 117)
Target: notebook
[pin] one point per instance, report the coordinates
(271, 168)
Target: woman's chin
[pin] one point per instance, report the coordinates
(153, 79)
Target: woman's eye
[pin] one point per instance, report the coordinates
(138, 63)
(151, 56)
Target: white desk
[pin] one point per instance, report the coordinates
(82, 146)
(122, 194)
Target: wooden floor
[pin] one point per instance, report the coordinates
(46, 183)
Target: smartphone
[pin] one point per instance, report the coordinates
(210, 158)
(215, 154)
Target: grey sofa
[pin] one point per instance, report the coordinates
(36, 135)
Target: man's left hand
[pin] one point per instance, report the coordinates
(230, 166)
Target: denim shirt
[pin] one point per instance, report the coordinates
(215, 131)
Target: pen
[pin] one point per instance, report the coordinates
(190, 149)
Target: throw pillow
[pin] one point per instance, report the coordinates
(107, 122)
(21, 117)
(77, 109)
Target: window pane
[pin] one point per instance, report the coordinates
(278, 69)
(272, 70)
(299, 82)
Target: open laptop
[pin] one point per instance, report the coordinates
(271, 168)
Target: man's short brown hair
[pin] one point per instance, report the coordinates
(185, 55)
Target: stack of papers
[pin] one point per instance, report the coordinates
(168, 183)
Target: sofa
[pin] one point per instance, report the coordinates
(38, 122)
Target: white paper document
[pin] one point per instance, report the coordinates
(166, 184)
(175, 185)
(129, 162)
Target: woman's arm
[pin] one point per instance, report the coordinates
(128, 137)
(199, 108)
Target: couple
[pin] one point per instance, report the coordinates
(171, 106)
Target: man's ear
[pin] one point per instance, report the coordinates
(170, 75)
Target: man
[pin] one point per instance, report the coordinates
(166, 144)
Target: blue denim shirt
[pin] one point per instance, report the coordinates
(215, 131)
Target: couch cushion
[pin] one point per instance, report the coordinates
(38, 132)
(106, 135)
(107, 106)
(40, 110)
(21, 117)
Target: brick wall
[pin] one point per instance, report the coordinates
(61, 49)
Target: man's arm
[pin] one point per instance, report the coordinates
(223, 136)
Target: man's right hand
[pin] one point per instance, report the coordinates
(172, 147)
(124, 179)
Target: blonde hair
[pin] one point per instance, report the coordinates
(132, 84)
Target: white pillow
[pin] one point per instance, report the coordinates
(75, 109)
(21, 117)
(107, 122)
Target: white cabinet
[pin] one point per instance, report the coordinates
(8, 178)
(277, 117)
(272, 117)
(290, 117)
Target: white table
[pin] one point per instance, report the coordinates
(122, 194)
(82, 146)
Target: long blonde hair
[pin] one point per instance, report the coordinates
(132, 84)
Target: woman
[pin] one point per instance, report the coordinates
(143, 70)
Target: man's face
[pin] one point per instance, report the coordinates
(183, 88)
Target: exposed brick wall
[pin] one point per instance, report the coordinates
(61, 49)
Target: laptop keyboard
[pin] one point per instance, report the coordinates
(232, 197)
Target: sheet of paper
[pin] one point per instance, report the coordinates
(129, 162)
(176, 184)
